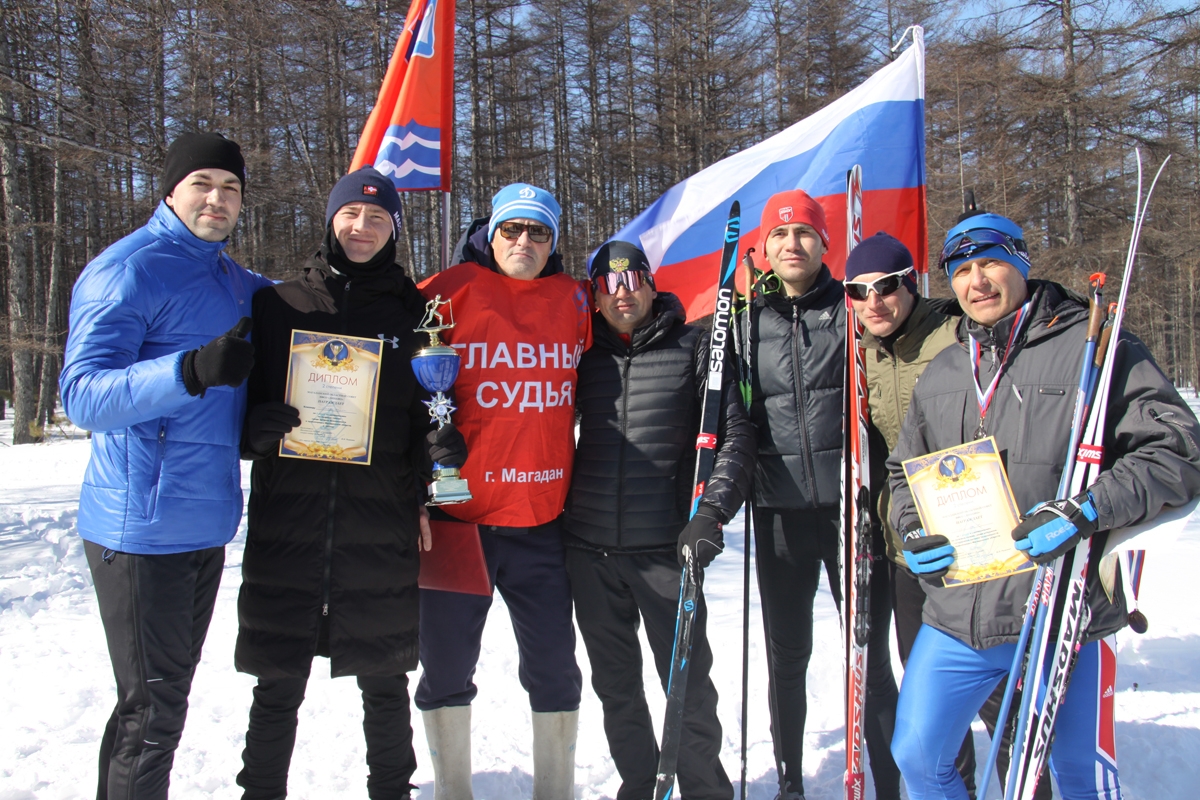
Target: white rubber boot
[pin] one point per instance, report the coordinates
(448, 731)
(554, 735)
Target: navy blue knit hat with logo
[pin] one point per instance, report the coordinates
(366, 185)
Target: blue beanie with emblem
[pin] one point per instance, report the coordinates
(523, 201)
(366, 185)
(987, 222)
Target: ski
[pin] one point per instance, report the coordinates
(1031, 742)
(741, 341)
(706, 454)
(855, 550)
(1045, 580)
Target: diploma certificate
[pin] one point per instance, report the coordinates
(333, 381)
(963, 494)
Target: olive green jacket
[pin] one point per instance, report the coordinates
(890, 381)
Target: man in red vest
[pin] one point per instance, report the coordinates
(521, 327)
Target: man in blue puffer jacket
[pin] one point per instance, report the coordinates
(155, 367)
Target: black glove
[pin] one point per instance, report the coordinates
(702, 536)
(929, 557)
(446, 446)
(267, 423)
(225, 361)
(1051, 529)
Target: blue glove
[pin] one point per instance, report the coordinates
(927, 556)
(1051, 529)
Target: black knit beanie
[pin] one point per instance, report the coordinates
(194, 151)
(618, 256)
(881, 253)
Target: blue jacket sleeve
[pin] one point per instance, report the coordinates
(104, 386)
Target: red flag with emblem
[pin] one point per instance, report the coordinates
(408, 136)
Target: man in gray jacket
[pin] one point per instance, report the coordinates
(1019, 386)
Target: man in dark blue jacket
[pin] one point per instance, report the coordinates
(155, 366)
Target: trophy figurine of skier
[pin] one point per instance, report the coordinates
(436, 367)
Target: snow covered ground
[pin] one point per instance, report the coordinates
(59, 689)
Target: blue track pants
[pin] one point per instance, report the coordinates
(945, 683)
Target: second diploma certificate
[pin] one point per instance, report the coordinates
(963, 494)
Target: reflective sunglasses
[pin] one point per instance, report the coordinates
(888, 284)
(971, 242)
(632, 279)
(537, 233)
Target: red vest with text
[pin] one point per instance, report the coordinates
(520, 342)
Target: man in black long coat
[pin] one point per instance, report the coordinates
(331, 558)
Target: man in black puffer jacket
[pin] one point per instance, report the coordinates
(798, 353)
(331, 560)
(639, 398)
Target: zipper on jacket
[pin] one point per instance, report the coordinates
(327, 576)
(801, 421)
(156, 472)
(621, 449)
(896, 390)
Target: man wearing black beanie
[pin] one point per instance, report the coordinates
(331, 558)
(155, 367)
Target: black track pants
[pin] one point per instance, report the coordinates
(272, 735)
(155, 610)
(614, 594)
(792, 547)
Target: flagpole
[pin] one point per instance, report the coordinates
(445, 230)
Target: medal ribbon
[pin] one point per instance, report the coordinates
(983, 396)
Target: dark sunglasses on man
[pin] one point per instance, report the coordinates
(631, 279)
(537, 233)
(968, 244)
(888, 284)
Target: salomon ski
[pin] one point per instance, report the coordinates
(706, 443)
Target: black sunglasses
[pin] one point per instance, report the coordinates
(537, 233)
(888, 284)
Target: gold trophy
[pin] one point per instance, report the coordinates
(436, 368)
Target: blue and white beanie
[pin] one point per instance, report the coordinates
(993, 222)
(522, 201)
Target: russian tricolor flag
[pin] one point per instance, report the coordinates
(880, 125)
(408, 136)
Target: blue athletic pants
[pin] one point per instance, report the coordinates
(945, 683)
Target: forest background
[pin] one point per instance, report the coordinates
(1036, 106)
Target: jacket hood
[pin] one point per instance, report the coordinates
(923, 317)
(772, 294)
(165, 225)
(666, 312)
(475, 247)
(393, 280)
